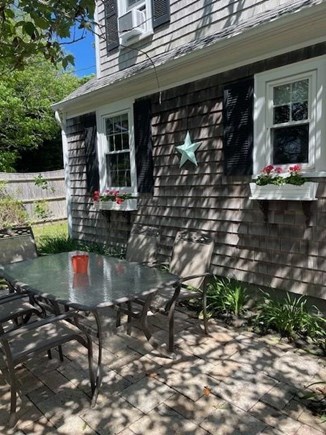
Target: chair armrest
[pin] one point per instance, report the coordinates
(187, 278)
(33, 325)
(12, 296)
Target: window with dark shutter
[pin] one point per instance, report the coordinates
(143, 145)
(238, 127)
(160, 12)
(111, 24)
(92, 171)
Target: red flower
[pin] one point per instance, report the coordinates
(118, 200)
(278, 170)
(268, 169)
(295, 168)
(96, 195)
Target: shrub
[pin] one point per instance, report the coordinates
(12, 211)
(226, 296)
(290, 317)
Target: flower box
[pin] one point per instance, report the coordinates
(126, 205)
(289, 192)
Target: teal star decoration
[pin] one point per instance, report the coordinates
(187, 150)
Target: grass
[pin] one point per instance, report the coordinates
(53, 238)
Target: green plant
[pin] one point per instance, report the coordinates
(315, 400)
(226, 296)
(43, 183)
(53, 244)
(111, 195)
(290, 317)
(12, 211)
(41, 209)
(275, 175)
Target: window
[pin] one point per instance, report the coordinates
(128, 21)
(116, 149)
(135, 20)
(125, 157)
(288, 112)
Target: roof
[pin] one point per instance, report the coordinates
(191, 47)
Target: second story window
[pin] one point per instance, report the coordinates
(135, 20)
(129, 21)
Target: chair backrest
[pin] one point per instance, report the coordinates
(17, 244)
(192, 253)
(142, 244)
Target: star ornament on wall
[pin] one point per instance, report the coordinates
(187, 150)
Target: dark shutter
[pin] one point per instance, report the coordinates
(238, 127)
(90, 132)
(161, 12)
(111, 24)
(144, 145)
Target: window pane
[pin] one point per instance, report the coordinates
(281, 114)
(109, 127)
(282, 95)
(300, 91)
(299, 111)
(290, 144)
(118, 168)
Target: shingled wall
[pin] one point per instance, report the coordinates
(283, 253)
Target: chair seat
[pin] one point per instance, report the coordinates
(31, 342)
(17, 306)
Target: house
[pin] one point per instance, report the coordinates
(247, 80)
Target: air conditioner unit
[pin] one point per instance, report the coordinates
(132, 23)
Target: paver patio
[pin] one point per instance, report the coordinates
(230, 382)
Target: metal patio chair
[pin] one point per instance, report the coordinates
(17, 244)
(191, 258)
(141, 248)
(142, 244)
(26, 341)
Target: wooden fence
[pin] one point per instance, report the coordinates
(42, 193)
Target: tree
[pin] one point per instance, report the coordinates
(26, 119)
(29, 27)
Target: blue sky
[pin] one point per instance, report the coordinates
(84, 52)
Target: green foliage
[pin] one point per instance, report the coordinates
(53, 238)
(226, 296)
(12, 211)
(41, 209)
(290, 317)
(26, 118)
(30, 27)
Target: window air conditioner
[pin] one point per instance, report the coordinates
(132, 23)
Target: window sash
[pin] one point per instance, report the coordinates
(305, 157)
(117, 151)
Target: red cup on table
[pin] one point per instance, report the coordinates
(80, 263)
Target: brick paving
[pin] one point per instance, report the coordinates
(230, 382)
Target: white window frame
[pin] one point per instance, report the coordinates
(108, 111)
(315, 71)
(123, 8)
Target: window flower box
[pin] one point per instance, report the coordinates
(126, 205)
(289, 192)
(114, 200)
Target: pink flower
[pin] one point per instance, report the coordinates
(278, 170)
(96, 195)
(295, 168)
(268, 169)
(118, 200)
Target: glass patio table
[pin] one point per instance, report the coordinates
(109, 281)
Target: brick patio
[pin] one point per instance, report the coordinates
(231, 382)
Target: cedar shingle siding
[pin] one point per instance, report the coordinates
(283, 253)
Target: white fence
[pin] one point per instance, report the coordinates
(45, 199)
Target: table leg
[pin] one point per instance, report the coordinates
(99, 372)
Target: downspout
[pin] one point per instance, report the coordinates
(61, 120)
